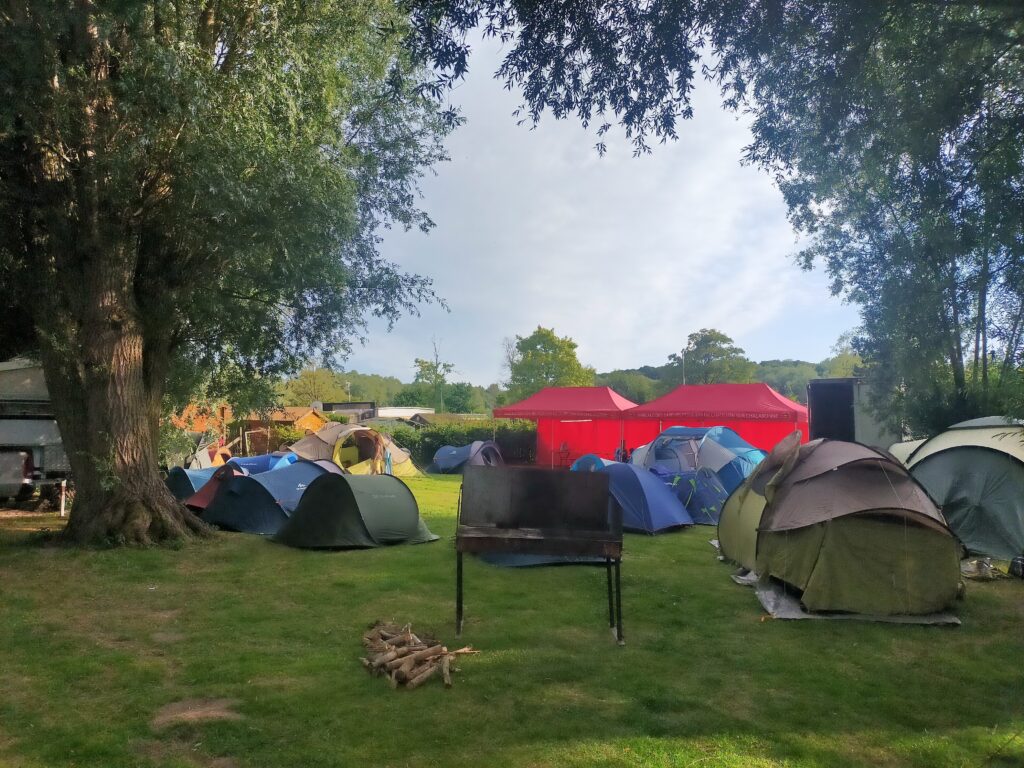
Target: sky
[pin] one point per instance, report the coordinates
(627, 256)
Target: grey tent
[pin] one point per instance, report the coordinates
(450, 459)
(846, 527)
(355, 512)
(975, 473)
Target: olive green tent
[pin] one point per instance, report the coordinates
(355, 511)
(846, 527)
(975, 473)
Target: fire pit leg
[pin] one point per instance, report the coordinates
(611, 603)
(458, 593)
(618, 602)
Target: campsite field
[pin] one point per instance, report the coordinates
(94, 644)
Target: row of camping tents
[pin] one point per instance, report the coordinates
(847, 527)
(320, 494)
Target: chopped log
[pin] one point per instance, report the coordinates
(402, 653)
(384, 658)
(428, 653)
(423, 676)
(446, 670)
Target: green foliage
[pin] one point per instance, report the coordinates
(517, 439)
(630, 384)
(326, 385)
(223, 169)
(709, 357)
(544, 359)
(787, 377)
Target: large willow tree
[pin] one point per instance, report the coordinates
(193, 187)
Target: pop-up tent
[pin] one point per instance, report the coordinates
(845, 527)
(266, 462)
(185, 482)
(450, 459)
(357, 449)
(648, 505)
(759, 414)
(975, 473)
(261, 503)
(354, 512)
(572, 421)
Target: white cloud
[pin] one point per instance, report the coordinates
(626, 255)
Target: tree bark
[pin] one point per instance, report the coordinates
(96, 371)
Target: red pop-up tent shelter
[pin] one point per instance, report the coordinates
(758, 413)
(572, 421)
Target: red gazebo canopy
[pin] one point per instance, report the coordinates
(568, 403)
(749, 402)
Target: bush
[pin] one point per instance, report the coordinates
(517, 439)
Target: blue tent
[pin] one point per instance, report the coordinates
(648, 505)
(590, 462)
(728, 455)
(451, 459)
(267, 462)
(261, 503)
(184, 482)
(699, 490)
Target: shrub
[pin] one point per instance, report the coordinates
(517, 439)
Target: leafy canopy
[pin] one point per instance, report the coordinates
(543, 359)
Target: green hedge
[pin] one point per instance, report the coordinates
(517, 439)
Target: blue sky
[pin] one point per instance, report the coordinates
(625, 255)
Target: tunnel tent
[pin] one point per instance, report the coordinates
(357, 449)
(182, 482)
(846, 528)
(261, 503)
(975, 473)
(355, 512)
(648, 505)
(450, 459)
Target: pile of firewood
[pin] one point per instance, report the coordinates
(405, 658)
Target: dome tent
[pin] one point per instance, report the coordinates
(590, 462)
(975, 472)
(846, 527)
(261, 503)
(450, 459)
(648, 505)
(355, 512)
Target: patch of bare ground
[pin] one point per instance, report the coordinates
(160, 752)
(194, 711)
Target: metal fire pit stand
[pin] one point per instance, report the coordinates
(491, 505)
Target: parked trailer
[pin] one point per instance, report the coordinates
(839, 410)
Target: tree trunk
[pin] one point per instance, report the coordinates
(106, 391)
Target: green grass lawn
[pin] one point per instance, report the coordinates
(93, 643)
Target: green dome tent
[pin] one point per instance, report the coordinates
(844, 525)
(975, 473)
(354, 512)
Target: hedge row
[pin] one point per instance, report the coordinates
(517, 439)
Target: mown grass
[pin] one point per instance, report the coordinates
(94, 642)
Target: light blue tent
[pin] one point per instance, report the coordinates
(267, 462)
(648, 505)
(590, 462)
(261, 503)
(729, 456)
